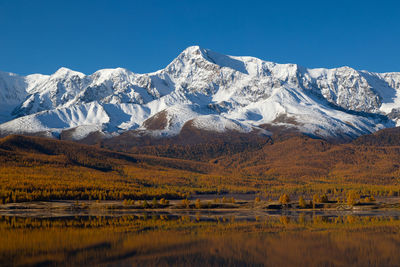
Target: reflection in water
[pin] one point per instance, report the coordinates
(201, 239)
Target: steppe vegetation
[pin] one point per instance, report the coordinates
(39, 169)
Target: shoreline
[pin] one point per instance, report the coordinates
(245, 208)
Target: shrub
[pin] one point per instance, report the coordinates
(369, 199)
(284, 199)
(352, 197)
(186, 203)
(164, 201)
(316, 199)
(324, 199)
(302, 202)
(154, 202)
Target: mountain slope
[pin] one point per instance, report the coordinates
(213, 92)
(84, 155)
(34, 168)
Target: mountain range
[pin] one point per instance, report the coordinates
(203, 90)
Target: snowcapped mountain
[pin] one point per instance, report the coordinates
(211, 91)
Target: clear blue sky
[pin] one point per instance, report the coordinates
(143, 36)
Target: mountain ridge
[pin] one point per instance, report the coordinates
(212, 91)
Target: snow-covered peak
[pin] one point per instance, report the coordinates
(112, 72)
(203, 87)
(195, 54)
(193, 50)
(104, 75)
(65, 73)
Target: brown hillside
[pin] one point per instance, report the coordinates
(191, 144)
(41, 168)
(304, 159)
(89, 156)
(385, 137)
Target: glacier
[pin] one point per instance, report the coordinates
(209, 90)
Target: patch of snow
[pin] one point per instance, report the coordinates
(216, 123)
(83, 131)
